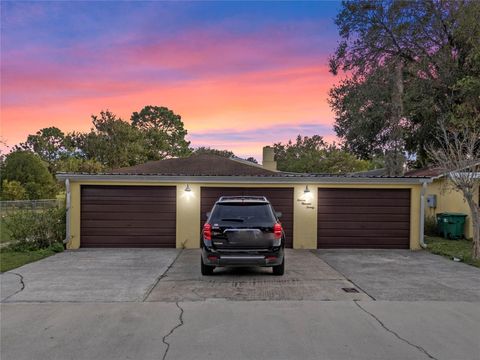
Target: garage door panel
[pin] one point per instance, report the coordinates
(359, 243)
(343, 218)
(123, 199)
(113, 241)
(149, 231)
(362, 193)
(124, 191)
(362, 232)
(280, 198)
(361, 202)
(127, 208)
(126, 223)
(362, 209)
(359, 225)
(363, 218)
(128, 216)
(116, 216)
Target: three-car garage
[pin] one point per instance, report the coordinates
(146, 216)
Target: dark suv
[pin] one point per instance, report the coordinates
(243, 231)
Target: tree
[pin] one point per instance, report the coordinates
(405, 58)
(112, 142)
(210, 151)
(459, 155)
(163, 131)
(48, 143)
(78, 165)
(13, 190)
(314, 155)
(252, 159)
(31, 172)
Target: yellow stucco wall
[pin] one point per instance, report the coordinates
(449, 200)
(188, 210)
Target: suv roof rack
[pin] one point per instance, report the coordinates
(246, 197)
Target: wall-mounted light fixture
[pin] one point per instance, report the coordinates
(187, 188)
(307, 190)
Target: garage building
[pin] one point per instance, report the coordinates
(164, 204)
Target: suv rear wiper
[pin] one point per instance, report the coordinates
(232, 219)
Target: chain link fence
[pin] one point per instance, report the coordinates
(15, 205)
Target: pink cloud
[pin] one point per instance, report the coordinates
(213, 80)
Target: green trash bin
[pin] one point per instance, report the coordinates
(451, 225)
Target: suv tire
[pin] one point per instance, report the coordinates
(206, 269)
(279, 270)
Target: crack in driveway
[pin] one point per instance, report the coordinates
(157, 280)
(344, 275)
(418, 347)
(180, 323)
(21, 282)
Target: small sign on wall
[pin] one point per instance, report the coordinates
(306, 203)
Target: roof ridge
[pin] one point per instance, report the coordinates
(249, 163)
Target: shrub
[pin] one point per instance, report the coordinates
(430, 228)
(13, 190)
(34, 229)
(31, 172)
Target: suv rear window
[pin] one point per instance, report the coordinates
(242, 213)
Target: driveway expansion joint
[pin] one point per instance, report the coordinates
(148, 292)
(180, 323)
(345, 276)
(382, 324)
(21, 282)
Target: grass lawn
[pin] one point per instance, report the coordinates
(461, 249)
(4, 233)
(12, 259)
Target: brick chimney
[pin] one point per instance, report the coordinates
(268, 161)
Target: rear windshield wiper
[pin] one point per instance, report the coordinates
(232, 219)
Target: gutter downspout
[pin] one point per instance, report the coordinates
(67, 208)
(422, 215)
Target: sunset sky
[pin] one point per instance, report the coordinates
(241, 75)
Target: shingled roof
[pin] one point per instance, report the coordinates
(428, 171)
(197, 165)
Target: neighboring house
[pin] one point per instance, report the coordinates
(447, 199)
(163, 204)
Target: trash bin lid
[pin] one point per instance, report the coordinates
(451, 214)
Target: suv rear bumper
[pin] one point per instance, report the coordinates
(242, 258)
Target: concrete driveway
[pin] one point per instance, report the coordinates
(405, 275)
(98, 275)
(111, 275)
(307, 277)
(154, 304)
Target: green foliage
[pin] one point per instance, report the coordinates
(313, 155)
(112, 142)
(79, 165)
(210, 151)
(32, 229)
(155, 133)
(436, 45)
(460, 249)
(31, 172)
(12, 259)
(430, 226)
(163, 132)
(13, 190)
(252, 159)
(49, 144)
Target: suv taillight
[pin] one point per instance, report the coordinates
(207, 231)
(277, 230)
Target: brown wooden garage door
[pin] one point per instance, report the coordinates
(128, 216)
(280, 198)
(363, 218)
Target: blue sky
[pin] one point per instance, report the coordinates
(228, 67)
